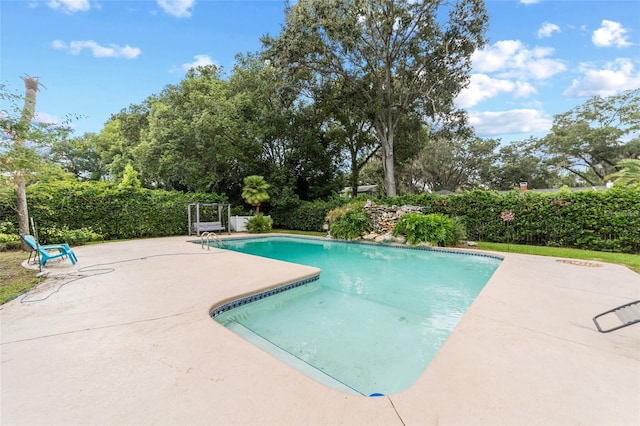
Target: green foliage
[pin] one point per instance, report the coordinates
(14, 277)
(341, 211)
(259, 224)
(130, 178)
(74, 237)
(522, 161)
(7, 227)
(7, 238)
(450, 160)
(255, 191)
(433, 228)
(595, 220)
(106, 210)
(458, 230)
(80, 156)
(378, 51)
(352, 225)
(632, 261)
(591, 138)
(629, 173)
(289, 212)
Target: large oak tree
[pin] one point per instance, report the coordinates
(399, 56)
(592, 138)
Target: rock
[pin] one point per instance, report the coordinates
(385, 218)
(370, 236)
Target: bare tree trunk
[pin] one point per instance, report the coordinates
(354, 179)
(385, 134)
(29, 110)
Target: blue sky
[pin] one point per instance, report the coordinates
(95, 58)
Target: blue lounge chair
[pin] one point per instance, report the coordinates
(50, 251)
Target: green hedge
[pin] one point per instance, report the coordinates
(295, 214)
(111, 212)
(595, 220)
(591, 219)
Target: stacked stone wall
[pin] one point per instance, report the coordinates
(384, 219)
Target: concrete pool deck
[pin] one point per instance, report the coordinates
(125, 337)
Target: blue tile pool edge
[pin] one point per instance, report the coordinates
(261, 295)
(279, 289)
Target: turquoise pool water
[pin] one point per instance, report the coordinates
(372, 322)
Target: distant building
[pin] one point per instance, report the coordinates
(371, 190)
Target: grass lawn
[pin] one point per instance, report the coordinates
(308, 233)
(632, 261)
(14, 279)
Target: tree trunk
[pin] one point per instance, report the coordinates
(21, 204)
(354, 176)
(29, 110)
(385, 134)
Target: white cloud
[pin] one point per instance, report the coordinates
(511, 59)
(45, 118)
(495, 57)
(541, 69)
(529, 1)
(524, 89)
(614, 77)
(516, 121)
(482, 86)
(70, 6)
(98, 51)
(547, 29)
(200, 61)
(177, 8)
(609, 34)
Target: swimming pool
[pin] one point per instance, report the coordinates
(373, 320)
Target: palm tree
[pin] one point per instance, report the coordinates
(629, 173)
(255, 191)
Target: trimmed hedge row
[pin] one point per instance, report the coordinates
(300, 215)
(604, 220)
(111, 212)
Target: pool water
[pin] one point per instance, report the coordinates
(373, 321)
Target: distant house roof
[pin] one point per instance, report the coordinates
(362, 190)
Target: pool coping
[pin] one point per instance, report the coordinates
(137, 346)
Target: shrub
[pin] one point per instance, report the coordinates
(7, 227)
(339, 212)
(351, 225)
(5, 238)
(289, 212)
(259, 224)
(590, 219)
(459, 230)
(9, 238)
(11, 245)
(74, 237)
(102, 208)
(433, 228)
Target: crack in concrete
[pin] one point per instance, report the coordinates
(98, 328)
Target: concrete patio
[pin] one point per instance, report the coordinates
(124, 337)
